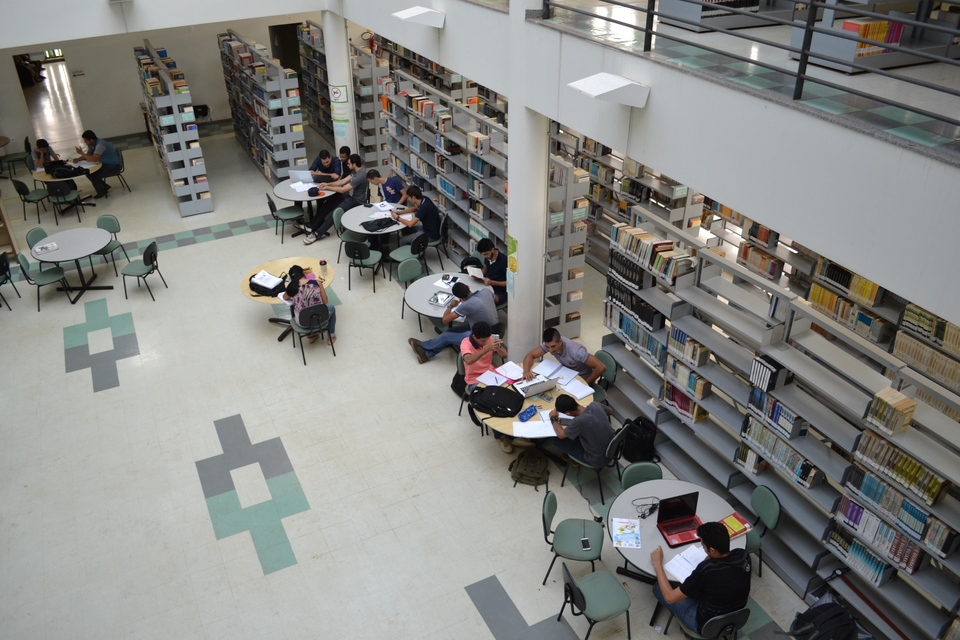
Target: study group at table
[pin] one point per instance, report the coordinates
(95, 150)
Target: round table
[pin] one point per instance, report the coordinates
(505, 425)
(282, 265)
(42, 176)
(284, 191)
(419, 292)
(74, 244)
(710, 508)
(353, 219)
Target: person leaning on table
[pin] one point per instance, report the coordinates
(470, 307)
(570, 354)
(303, 292)
(103, 152)
(43, 153)
(588, 434)
(720, 584)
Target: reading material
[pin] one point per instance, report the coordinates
(625, 532)
(533, 429)
(683, 564)
(578, 389)
(511, 370)
(736, 525)
(551, 369)
(46, 248)
(491, 379)
(475, 272)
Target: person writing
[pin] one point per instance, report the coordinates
(720, 584)
(303, 292)
(588, 434)
(391, 189)
(99, 151)
(426, 217)
(352, 190)
(43, 153)
(570, 354)
(494, 269)
(471, 307)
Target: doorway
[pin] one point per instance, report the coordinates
(51, 103)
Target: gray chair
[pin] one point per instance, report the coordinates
(408, 271)
(597, 597)
(40, 279)
(312, 320)
(140, 270)
(416, 249)
(34, 197)
(345, 235)
(34, 237)
(110, 223)
(6, 275)
(282, 216)
(361, 256)
(62, 197)
(725, 627)
(614, 450)
(567, 535)
(765, 504)
(609, 376)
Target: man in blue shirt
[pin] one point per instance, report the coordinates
(426, 217)
(495, 269)
(327, 166)
(391, 189)
(99, 151)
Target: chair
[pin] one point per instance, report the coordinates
(765, 504)
(362, 256)
(6, 276)
(35, 197)
(640, 472)
(470, 261)
(52, 275)
(416, 249)
(567, 535)
(609, 376)
(123, 167)
(345, 235)
(440, 242)
(723, 627)
(314, 319)
(13, 158)
(599, 597)
(282, 216)
(408, 271)
(614, 449)
(110, 223)
(34, 236)
(62, 196)
(140, 270)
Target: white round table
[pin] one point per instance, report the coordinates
(354, 218)
(418, 294)
(710, 508)
(284, 191)
(74, 244)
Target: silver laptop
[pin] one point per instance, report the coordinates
(535, 386)
(301, 176)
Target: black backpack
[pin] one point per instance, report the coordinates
(69, 172)
(260, 290)
(828, 621)
(638, 445)
(498, 402)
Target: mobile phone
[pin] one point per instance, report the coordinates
(446, 277)
(585, 543)
(496, 337)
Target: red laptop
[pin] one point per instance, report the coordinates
(677, 519)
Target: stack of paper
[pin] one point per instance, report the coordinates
(533, 429)
(300, 187)
(551, 369)
(383, 206)
(491, 379)
(683, 564)
(511, 370)
(578, 389)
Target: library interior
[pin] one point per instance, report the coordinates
(716, 199)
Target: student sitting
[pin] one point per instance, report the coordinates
(43, 153)
(719, 585)
(471, 307)
(391, 189)
(570, 354)
(588, 435)
(326, 166)
(351, 191)
(306, 292)
(426, 217)
(477, 350)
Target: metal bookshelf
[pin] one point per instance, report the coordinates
(316, 88)
(369, 73)
(566, 236)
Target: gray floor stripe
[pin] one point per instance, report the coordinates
(504, 620)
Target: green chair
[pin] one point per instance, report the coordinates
(140, 270)
(35, 197)
(62, 196)
(609, 376)
(640, 472)
(282, 216)
(13, 158)
(361, 256)
(51, 275)
(34, 236)
(765, 504)
(614, 450)
(7, 276)
(416, 249)
(439, 243)
(408, 271)
(723, 627)
(311, 320)
(110, 223)
(598, 596)
(346, 235)
(567, 535)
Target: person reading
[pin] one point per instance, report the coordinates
(391, 189)
(588, 434)
(570, 354)
(494, 269)
(720, 584)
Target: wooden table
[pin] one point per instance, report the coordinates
(74, 244)
(505, 425)
(418, 293)
(282, 265)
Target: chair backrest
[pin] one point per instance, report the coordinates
(470, 261)
(26, 145)
(572, 590)
(24, 266)
(5, 272)
(726, 625)
(314, 317)
(22, 189)
(610, 374)
(641, 472)
(419, 245)
(59, 189)
(201, 110)
(150, 255)
(120, 153)
(461, 368)
(409, 269)
(766, 505)
(549, 511)
(273, 207)
(109, 223)
(615, 448)
(497, 360)
(30, 163)
(356, 250)
(35, 235)
(443, 227)
(337, 218)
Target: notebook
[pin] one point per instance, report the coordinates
(677, 519)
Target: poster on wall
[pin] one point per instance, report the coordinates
(340, 112)
(511, 264)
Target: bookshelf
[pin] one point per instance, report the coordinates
(369, 74)
(426, 71)
(455, 155)
(8, 239)
(749, 394)
(173, 128)
(566, 235)
(265, 106)
(316, 88)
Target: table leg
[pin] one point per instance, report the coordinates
(85, 285)
(642, 577)
(283, 335)
(309, 216)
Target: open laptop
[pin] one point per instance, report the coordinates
(301, 176)
(535, 386)
(677, 519)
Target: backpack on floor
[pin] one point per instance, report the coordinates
(638, 445)
(498, 402)
(530, 467)
(829, 621)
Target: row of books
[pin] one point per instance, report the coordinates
(481, 168)
(884, 498)
(450, 190)
(780, 454)
(849, 314)
(881, 31)
(924, 396)
(767, 374)
(593, 147)
(682, 403)
(776, 416)
(627, 268)
(749, 460)
(762, 235)
(858, 556)
(855, 286)
(686, 348)
(890, 411)
(723, 211)
(307, 35)
(932, 327)
(626, 326)
(893, 463)
(638, 244)
(927, 360)
(683, 376)
(903, 552)
(625, 295)
(759, 261)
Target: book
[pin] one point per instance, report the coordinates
(736, 525)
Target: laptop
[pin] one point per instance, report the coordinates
(677, 519)
(535, 386)
(301, 176)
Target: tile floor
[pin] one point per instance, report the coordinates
(107, 529)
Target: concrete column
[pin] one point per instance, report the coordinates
(336, 45)
(527, 218)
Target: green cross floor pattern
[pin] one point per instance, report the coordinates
(97, 318)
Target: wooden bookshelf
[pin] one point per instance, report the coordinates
(566, 234)
(173, 128)
(265, 105)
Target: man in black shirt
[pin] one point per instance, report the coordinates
(426, 217)
(720, 584)
(494, 269)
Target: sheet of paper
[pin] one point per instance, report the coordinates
(546, 368)
(533, 429)
(379, 214)
(86, 164)
(565, 374)
(301, 187)
(578, 389)
(511, 370)
(289, 302)
(445, 285)
(383, 206)
(625, 532)
(545, 416)
(491, 379)
(683, 564)
(407, 216)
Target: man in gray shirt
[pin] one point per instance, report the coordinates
(471, 308)
(586, 438)
(570, 354)
(350, 191)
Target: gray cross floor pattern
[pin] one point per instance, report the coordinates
(504, 619)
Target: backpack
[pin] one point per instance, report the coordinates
(498, 402)
(638, 445)
(259, 290)
(530, 467)
(459, 384)
(69, 172)
(829, 621)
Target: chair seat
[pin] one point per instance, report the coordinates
(289, 213)
(304, 331)
(15, 157)
(70, 197)
(753, 541)
(403, 253)
(583, 463)
(353, 236)
(435, 243)
(48, 276)
(606, 597)
(110, 248)
(369, 262)
(136, 269)
(37, 195)
(566, 539)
